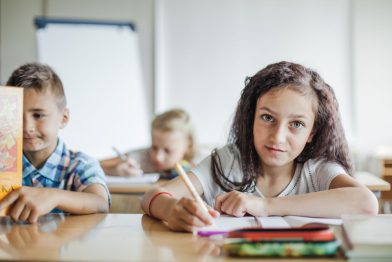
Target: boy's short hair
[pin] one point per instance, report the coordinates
(39, 77)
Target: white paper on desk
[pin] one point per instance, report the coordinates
(228, 223)
(143, 179)
(295, 221)
(273, 222)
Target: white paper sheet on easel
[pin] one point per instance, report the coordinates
(100, 67)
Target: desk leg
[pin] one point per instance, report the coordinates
(385, 206)
(377, 194)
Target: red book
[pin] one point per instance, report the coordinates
(315, 232)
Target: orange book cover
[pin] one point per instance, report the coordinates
(11, 131)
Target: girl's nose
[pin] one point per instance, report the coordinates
(160, 156)
(279, 135)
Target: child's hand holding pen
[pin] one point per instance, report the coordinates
(197, 213)
(128, 166)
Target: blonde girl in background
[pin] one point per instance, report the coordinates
(172, 141)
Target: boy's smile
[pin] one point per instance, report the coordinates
(42, 118)
(282, 126)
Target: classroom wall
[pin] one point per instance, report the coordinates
(18, 39)
(17, 34)
(204, 49)
(372, 45)
(349, 42)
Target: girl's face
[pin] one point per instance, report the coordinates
(282, 126)
(167, 148)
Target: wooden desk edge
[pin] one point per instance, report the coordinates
(372, 182)
(134, 189)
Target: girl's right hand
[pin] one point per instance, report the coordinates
(186, 215)
(128, 168)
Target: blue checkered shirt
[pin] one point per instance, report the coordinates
(65, 169)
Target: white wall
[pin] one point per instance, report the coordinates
(17, 34)
(373, 67)
(205, 49)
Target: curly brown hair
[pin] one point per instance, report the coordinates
(329, 141)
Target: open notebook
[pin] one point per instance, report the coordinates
(226, 223)
(134, 180)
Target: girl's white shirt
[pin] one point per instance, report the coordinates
(312, 176)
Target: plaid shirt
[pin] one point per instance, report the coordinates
(64, 169)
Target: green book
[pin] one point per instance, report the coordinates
(281, 249)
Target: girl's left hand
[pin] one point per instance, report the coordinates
(238, 204)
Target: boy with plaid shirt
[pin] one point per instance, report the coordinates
(55, 179)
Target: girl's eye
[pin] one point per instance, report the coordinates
(267, 118)
(38, 116)
(297, 124)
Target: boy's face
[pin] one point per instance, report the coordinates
(42, 119)
(167, 149)
(282, 126)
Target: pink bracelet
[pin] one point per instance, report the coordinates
(154, 197)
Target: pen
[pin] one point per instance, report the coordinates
(122, 156)
(190, 187)
(133, 166)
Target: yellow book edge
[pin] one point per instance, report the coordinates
(11, 140)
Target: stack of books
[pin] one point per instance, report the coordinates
(306, 241)
(368, 237)
(289, 236)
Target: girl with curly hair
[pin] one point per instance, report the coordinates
(286, 155)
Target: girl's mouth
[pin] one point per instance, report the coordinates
(274, 149)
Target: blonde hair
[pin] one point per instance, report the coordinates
(177, 120)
